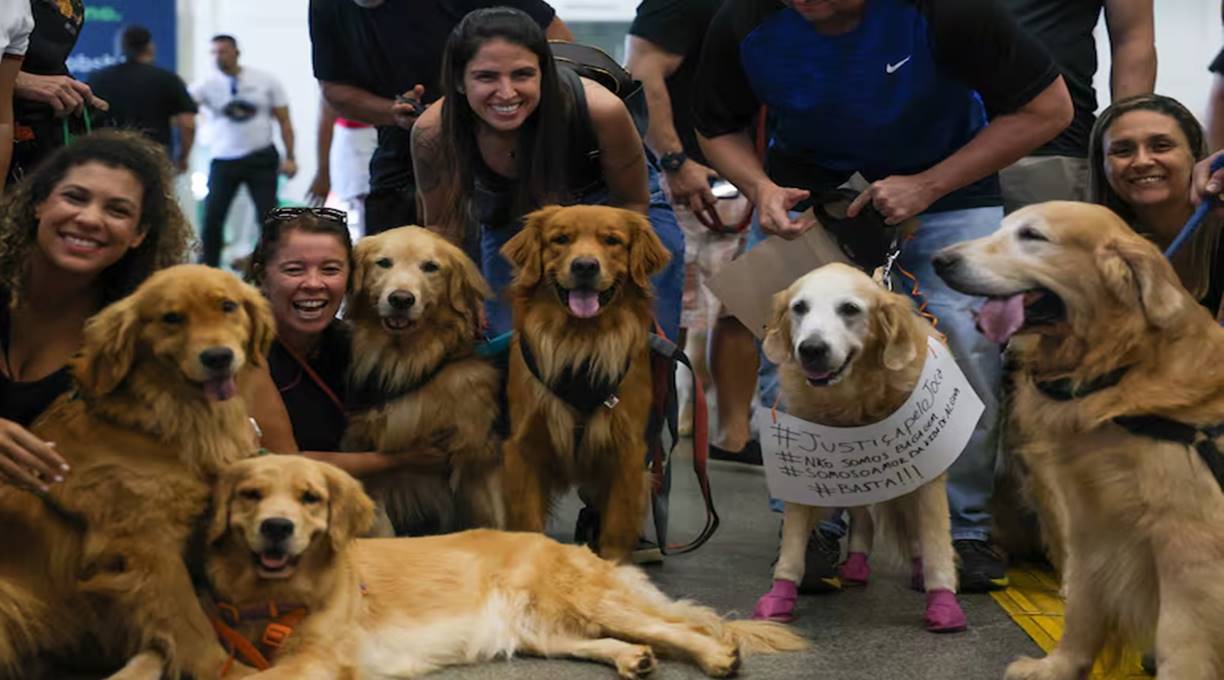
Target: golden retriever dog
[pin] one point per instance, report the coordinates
(415, 306)
(153, 419)
(1120, 397)
(580, 383)
(402, 607)
(850, 353)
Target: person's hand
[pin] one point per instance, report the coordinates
(408, 107)
(1207, 184)
(689, 187)
(774, 204)
(897, 198)
(320, 187)
(64, 94)
(288, 167)
(26, 460)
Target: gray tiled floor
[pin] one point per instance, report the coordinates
(864, 634)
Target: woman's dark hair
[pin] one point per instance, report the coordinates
(542, 150)
(1099, 190)
(168, 233)
(276, 226)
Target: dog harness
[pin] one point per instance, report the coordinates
(281, 620)
(578, 386)
(372, 393)
(1200, 438)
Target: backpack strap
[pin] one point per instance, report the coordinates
(584, 144)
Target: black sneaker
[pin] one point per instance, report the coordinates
(981, 568)
(749, 455)
(820, 564)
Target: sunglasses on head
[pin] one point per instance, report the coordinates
(286, 214)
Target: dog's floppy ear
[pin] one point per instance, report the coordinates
(1138, 275)
(109, 347)
(467, 288)
(647, 256)
(897, 331)
(223, 490)
(526, 250)
(263, 324)
(350, 512)
(357, 281)
(778, 343)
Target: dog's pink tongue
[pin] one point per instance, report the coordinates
(1000, 318)
(220, 389)
(584, 304)
(273, 562)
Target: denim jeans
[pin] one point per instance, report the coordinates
(971, 477)
(668, 283)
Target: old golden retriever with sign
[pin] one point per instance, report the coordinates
(156, 414)
(849, 353)
(1120, 399)
(402, 607)
(417, 387)
(579, 380)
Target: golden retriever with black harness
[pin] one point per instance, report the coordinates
(1120, 400)
(417, 384)
(151, 423)
(850, 353)
(402, 607)
(580, 382)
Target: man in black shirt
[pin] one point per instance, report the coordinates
(369, 52)
(1058, 170)
(147, 98)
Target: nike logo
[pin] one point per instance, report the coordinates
(889, 68)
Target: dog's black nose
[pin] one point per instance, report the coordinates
(401, 300)
(217, 358)
(276, 528)
(585, 267)
(813, 351)
(945, 261)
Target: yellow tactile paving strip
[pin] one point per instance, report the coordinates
(1033, 603)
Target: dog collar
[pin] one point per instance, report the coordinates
(1064, 389)
(372, 393)
(1201, 439)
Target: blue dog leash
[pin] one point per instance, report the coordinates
(1196, 219)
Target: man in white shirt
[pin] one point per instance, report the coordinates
(240, 104)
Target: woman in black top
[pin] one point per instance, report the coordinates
(81, 231)
(1142, 152)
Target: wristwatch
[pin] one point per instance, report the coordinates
(672, 162)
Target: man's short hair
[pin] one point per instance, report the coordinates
(135, 41)
(223, 37)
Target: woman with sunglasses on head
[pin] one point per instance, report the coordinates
(1142, 153)
(509, 136)
(303, 263)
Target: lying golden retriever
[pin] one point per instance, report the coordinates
(152, 421)
(1120, 397)
(850, 353)
(417, 384)
(579, 379)
(401, 607)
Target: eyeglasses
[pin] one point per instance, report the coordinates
(286, 214)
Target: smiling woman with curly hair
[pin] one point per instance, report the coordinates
(82, 230)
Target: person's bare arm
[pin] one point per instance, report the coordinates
(690, 185)
(320, 186)
(357, 104)
(621, 155)
(734, 156)
(64, 94)
(10, 65)
(265, 405)
(557, 30)
(427, 169)
(1132, 46)
(367, 463)
(1215, 113)
(185, 123)
(1005, 140)
(289, 162)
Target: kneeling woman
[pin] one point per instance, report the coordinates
(513, 132)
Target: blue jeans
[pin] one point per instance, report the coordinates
(668, 283)
(971, 477)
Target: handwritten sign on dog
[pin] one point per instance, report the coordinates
(843, 467)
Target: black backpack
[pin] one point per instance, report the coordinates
(595, 64)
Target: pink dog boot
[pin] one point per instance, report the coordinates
(917, 580)
(943, 612)
(779, 603)
(855, 571)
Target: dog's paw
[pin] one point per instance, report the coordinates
(1049, 668)
(724, 664)
(636, 663)
(943, 612)
(855, 571)
(779, 603)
